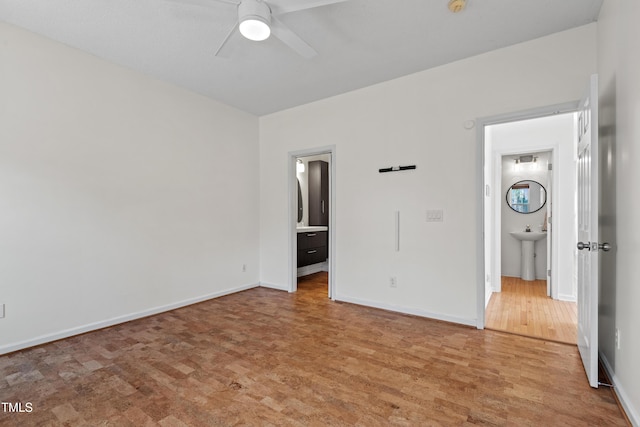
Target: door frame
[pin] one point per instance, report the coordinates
(481, 124)
(498, 199)
(293, 215)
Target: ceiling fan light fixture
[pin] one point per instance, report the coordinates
(255, 18)
(255, 29)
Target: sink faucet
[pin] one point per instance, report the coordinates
(528, 229)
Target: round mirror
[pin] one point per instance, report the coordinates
(526, 196)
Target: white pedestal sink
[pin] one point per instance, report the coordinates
(527, 264)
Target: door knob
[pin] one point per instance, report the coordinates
(582, 246)
(606, 247)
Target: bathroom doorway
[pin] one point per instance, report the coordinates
(312, 218)
(530, 185)
(527, 183)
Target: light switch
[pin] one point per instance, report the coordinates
(435, 215)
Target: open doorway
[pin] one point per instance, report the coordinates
(529, 224)
(312, 232)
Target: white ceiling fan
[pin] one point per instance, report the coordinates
(257, 20)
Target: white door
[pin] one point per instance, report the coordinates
(588, 231)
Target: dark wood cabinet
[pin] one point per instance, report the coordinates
(312, 248)
(318, 182)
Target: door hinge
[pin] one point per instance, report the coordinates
(549, 273)
(487, 190)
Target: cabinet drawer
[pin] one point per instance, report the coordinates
(312, 256)
(312, 239)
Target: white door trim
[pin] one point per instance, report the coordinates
(481, 124)
(293, 214)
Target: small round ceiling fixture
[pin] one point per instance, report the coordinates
(456, 6)
(254, 17)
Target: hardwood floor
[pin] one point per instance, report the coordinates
(524, 308)
(265, 357)
(314, 286)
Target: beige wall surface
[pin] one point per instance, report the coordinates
(619, 83)
(119, 195)
(418, 119)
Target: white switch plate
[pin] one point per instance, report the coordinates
(435, 215)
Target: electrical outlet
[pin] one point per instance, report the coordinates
(393, 282)
(435, 215)
(617, 339)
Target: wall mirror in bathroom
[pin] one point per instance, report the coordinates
(300, 207)
(526, 196)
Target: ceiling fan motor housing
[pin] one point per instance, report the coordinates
(253, 16)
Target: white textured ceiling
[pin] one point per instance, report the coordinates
(359, 42)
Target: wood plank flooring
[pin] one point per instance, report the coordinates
(264, 357)
(524, 308)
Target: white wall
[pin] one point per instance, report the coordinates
(514, 221)
(119, 195)
(418, 120)
(619, 72)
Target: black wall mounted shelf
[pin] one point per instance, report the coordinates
(397, 168)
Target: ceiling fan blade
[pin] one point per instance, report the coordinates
(225, 39)
(203, 3)
(291, 39)
(279, 7)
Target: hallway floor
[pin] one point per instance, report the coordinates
(524, 308)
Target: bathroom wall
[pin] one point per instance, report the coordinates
(303, 177)
(514, 221)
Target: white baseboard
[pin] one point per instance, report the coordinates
(407, 310)
(43, 339)
(567, 298)
(517, 276)
(272, 286)
(625, 401)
